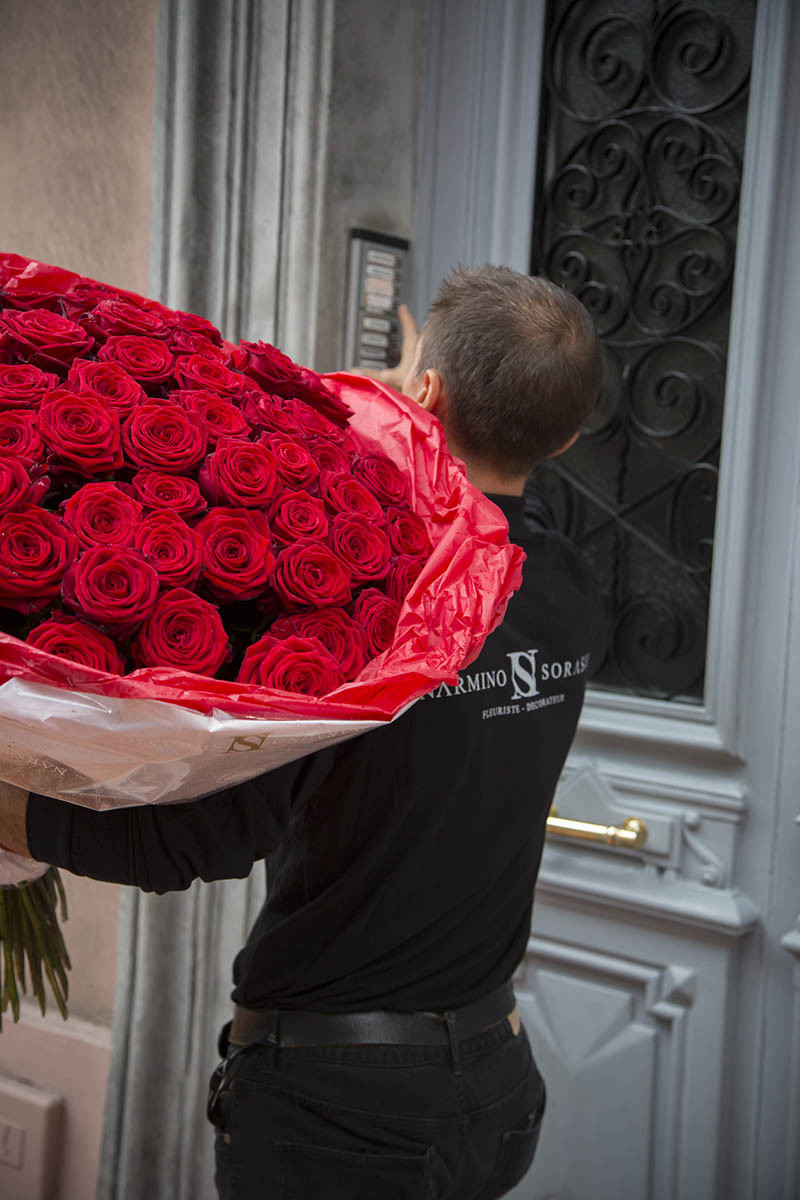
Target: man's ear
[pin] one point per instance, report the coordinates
(566, 445)
(429, 392)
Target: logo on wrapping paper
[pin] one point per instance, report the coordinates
(245, 742)
(525, 674)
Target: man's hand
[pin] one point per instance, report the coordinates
(13, 807)
(396, 376)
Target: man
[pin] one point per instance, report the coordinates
(375, 1049)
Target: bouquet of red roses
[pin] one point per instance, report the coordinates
(212, 560)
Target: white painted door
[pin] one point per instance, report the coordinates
(661, 989)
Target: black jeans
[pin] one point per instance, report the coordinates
(389, 1122)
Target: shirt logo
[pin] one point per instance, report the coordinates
(523, 674)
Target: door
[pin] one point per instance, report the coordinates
(660, 987)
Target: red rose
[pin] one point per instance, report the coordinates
(320, 397)
(220, 418)
(237, 553)
(386, 481)
(343, 494)
(407, 532)
(293, 664)
(115, 317)
(35, 551)
(241, 474)
(17, 488)
(175, 550)
(309, 575)
(80, 432)
(11, 265)
(294, 463)
(5, 346)
(377, 615)
(272, 370)
(101, 514)
(297, 515)
(184, 344)
(191, 323)
(109, 382)
(147, 360)
(198, 373)
(24, 386)
(67, 637)
(403, 573)
(363, 547)
(270, 413)
(85, 295)
(183, 631)
(328, 456)
(19, 435)
(338, 633)
(112, 585)
(160, 434)
(44, 338)
(313, 424)
(156, 489)
(37, 286)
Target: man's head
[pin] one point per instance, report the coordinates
(515, 366)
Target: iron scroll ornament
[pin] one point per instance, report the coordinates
(640, 163)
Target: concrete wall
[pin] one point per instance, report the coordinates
(372, 143)
(76, 94)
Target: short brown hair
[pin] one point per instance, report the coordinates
(520, 363)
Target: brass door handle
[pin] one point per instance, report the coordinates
(632, 834)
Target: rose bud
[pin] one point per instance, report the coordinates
(17, 488)
(175, 550)
(44, 338)
(337, 631)
(161, 435)
(147, 360)
(115, 317)
(85, 295)
(219, 417)
(101, 514)
(377, 615)
(314, 425)
(24, 386)
(35, 551)
(344, 494)
(386, 481)
(270, 413)
(309, 575)
(297, 515)
(362, 547)
(67, 637)
(80, 432)
(39, 287)
(403, 574)
(196, 372)
(109, 382)
(157, 489)
(300, 665)
(184, 344)
(19, 435)
(314, 392)
(183, 631)
(293, 461)
(237, 553)
(272, 370)
(113, 586)
(328, 456)
(407, 532)
(240, 474)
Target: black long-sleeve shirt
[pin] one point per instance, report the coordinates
(401, 864)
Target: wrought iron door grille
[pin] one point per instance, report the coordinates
(640, 160)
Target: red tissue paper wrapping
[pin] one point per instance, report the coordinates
(160, 735)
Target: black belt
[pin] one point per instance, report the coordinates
(288, 1027)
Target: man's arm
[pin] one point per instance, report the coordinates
(161, 847)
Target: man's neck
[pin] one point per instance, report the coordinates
(492, 484)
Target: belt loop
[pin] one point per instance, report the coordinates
(455, 1054)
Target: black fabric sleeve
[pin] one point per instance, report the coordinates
(164, 847)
